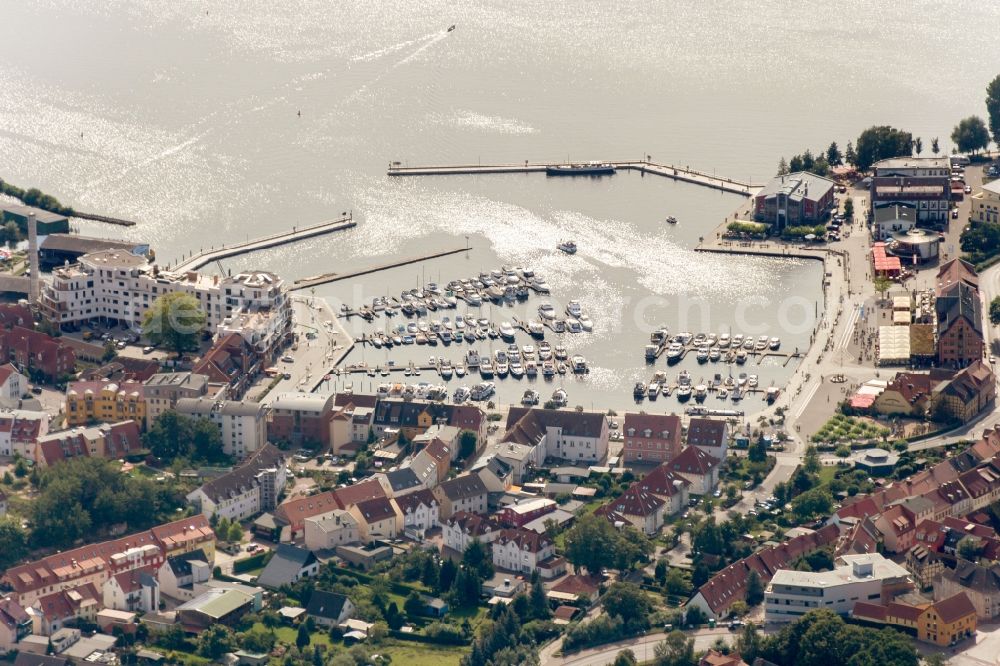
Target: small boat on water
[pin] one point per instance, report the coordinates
(700, 392)
(516, 369)
(483, 390)
(548, 369)
(639, 391)
(560, 353)
(724, 340)
(569, 247)
(451, 28)
(714, 354)
(485, 368)
(592, 168)
(574, 309)
(559, 398)
(752, 381)
(506, 331)
(741, 356)
(536, 329)
(674, 352)
(579, 364)
(653, 391)
(774, 343)
(462, 393)
(772, 394)
(546, 311)
(530, 369)
(703, 354)
(530, 397)
(671, 220)
(573, 325)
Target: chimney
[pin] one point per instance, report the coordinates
(33, 283)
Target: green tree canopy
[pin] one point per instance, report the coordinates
(629, 602)
(881, 142)
(594, 543)
(970, 135)
(174, 321)
(13, 542)
(173, 435)
(993, 107)
(995, 311)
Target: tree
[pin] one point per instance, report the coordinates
(995, 311)
(302, 637)
(970, 135)
(477, 558)
(676, 583)
(755, 589)
(206, 440)
(881, 142)
(393, 617)
(748, 644)
(466, 444)
(539, 602)
(674, 650)
(918, 146)
(817, 501)
(810, 462)
(629, 602)
(782, 167)
(110, 351)
(993, 107)
(935, 146)
(13, 542)
(235, 532)
(174, 321)
(625, 658)
(170, 436)
(215, 641)
(833, 156)
(257, 640)
(593, 543)
(970, 547)
(882, 284)
(413, 605)
(850, 156)
(446, 577)
(757, 453)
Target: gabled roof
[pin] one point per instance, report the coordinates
(959, 301)
(706, 432)
(244, 476)
(412, 501)
(526, 540)
(463, 487)
(327, 605)
(180, 565)
(359, 492)
(285, 565)
(571, 422)
(659, 426)
(472, 524)
(633, 502)
(402, 479)
(693, 460)
(294, 511)
(954, 608)
(375, 510)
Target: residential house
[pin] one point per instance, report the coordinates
(399, 482)
(463, 493)
(651, 438)
(301, 418)
(909, 393)
(242, 423)
(253, 486)
(524, 551)
(108, 440)
(943, 622)
(15, 624)
(359, 492)
(522, 513)
(462, 528)
(698, 467)
(967, 394)
(431, 463)
(179, 575)
(925, 565)
(561, 433)
(893, 219)
(898, 528)
(292, 514)
(378, 519)
(162, 391)
(331, 529)
(215, 606)
(104, 401)
(419, 511)
(230, 363)
(709, 435)
(55, 612)
(20, 430)
(954, 271)
(669, 486)
(495, 473)
(919, 183)
(288, 565)
(981, 584)
(135, 590)
(329, 609)
(715, 658)
(34, 353)
(986, 204)
(13, 385)
(351, 423)
(636, 507)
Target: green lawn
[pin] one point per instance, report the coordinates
(420, 654)
(827, 472)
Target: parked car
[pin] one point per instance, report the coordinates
(288, 358)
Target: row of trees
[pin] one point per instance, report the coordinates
(10, 234)
(35, 197)
(593, 543)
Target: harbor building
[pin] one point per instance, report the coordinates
(986, 204)
(921, 183)
(870, 578)
(794, 199)
(119, 286)
(48, 223)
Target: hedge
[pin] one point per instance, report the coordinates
(422, 638)
(251, 563)
(401, 589)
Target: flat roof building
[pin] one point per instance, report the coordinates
(794, 199)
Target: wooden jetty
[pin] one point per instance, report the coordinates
(196, 261)
(326, 278)
(684, 174)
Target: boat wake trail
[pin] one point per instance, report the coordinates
(413, 56)
(375, 55)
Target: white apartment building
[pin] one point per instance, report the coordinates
(164, 389)
(521, 550)
(986, 204)
(12, 386)
(329, 530)
(243, 423)
(118, 285)
(254, 486)
(792, 594)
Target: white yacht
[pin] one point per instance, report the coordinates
(483, 390)
(774, 343)
(506, 331)
(573, 325)
(579, 364)
(530, 398)
(472, 358)
(546, 311)
(462, 393)
(674, 352)
(573, 309)
(559, 398)
(586, 323)
(516, 369)
(724, 340)
(753, 381)
(536, 329)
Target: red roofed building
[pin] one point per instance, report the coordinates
(643, 510)
(651, 438)
(524, 551)
(293, 513)
(95, 563)
(698, 467)
(34, 352)
(231, 362)
(668, 485)
(109, 440)
(20, 430)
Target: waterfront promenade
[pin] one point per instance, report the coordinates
(684, 174)
(206, 257)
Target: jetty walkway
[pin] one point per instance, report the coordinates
(684, 174)
(196, 261)
(326, 278)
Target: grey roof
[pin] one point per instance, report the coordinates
(24, 211)
(914, 163)
(959, 300)
(402, 479)
(894, 212)
(325, 604)
(27, 659)
(798, 186)
(992, 186)
(302, 402)
(245, 476)
(181, 564)
(284, 567)
(463, 487)
(190, 379)
(227, 407)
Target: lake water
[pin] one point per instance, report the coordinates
(184, 117)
